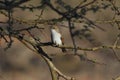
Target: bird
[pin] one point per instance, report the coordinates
(56, 37)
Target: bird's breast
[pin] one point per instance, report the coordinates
(56, 37)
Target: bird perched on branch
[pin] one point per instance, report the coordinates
(56, 37)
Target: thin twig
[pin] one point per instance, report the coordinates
(113, 49)
(73, 41)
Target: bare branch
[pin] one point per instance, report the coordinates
(53, 69)
(70, 29)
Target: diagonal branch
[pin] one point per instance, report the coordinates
(19, 3)
(54, 71)
(54, 9)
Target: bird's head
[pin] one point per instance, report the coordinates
(55, 27)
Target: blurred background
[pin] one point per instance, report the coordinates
(19, 63)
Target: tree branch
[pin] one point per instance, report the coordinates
(54, 71)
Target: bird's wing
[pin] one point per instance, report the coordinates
(62, 39)
(63, 49)
(51, 37)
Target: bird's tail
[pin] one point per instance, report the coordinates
(64, 50)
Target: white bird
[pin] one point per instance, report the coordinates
(56, 37)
